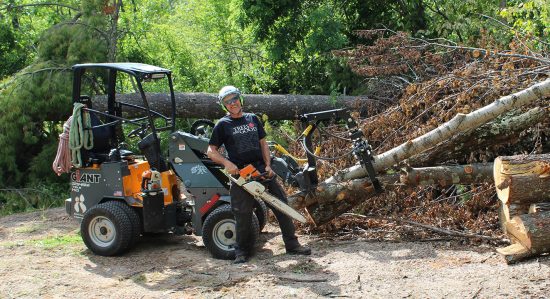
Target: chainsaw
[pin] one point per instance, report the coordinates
(250, 180)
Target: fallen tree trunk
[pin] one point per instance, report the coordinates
(523, 180)
(205, 105)
(335, 199)
(460, 123)
(447, 175)
(504, 131)
(327, 208)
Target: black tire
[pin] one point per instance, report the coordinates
(106, 229)
(218, 232)
(135, 220)
(202, 122)
(261, 210)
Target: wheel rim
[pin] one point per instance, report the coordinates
(224, 234)
(102, 231)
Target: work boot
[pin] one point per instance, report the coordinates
(239, 259)
(300, 250)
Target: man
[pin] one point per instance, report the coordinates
(243, 136)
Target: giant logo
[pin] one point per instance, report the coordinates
(85, 177)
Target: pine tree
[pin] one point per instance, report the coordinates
(42, 91)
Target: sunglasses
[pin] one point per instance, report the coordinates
(231, 100)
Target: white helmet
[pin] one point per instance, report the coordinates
(227, 90)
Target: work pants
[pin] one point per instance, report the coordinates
(242, 204)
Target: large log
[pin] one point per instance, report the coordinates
(532, 231)
(503, 131)
(523, 179)
(334, 199)
(447, 175)
(460, 123)
(275, 106)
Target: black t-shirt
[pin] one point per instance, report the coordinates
(241, 138)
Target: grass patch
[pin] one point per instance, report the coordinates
(11, 244)
(303, 267)
(27, 229)
(56, 241)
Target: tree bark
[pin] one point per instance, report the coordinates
(523, 179)
(334, 197)
(505, 131)
(447, 175)
(205, 105)
(532, 231)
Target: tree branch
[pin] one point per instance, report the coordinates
(432, 228)
(9, 7)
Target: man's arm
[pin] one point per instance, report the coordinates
(213, 153)
(266, 154)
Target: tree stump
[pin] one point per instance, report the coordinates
(522, 179)
(523, 188)
(532, 231)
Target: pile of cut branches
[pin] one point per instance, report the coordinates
(432, 82)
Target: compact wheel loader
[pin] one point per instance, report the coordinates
(118, 194)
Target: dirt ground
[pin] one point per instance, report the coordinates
(42, 256)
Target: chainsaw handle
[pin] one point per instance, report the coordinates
(264, 178)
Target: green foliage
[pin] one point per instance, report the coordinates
(530, 19)
(38, 197)
(41, 92)
(262, 46)
(10, 58)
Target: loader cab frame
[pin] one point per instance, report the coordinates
(108, 117)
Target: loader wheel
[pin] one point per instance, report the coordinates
(202, 127)
(135, 220)
(219, 234)
(106, 229)
(261, 210)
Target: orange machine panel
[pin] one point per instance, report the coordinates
(132, 182)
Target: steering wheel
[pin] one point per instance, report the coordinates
(202, 128)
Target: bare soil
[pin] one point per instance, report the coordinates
(42, 256)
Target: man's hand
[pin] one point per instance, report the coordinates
(231, 168)
(270, 172)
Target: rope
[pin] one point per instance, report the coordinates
(80, 134)
(62, 162)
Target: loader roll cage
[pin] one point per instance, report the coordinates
(114, 115)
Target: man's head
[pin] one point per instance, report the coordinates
(230, 99)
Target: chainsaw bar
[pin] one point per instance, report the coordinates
(257, 190)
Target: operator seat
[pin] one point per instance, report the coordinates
(103, 137)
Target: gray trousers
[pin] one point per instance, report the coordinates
(242, 204)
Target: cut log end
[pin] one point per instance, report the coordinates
(522, 179)
(515, 253)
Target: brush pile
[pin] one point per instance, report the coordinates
(418, 85)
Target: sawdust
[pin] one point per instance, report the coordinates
(42, 256)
